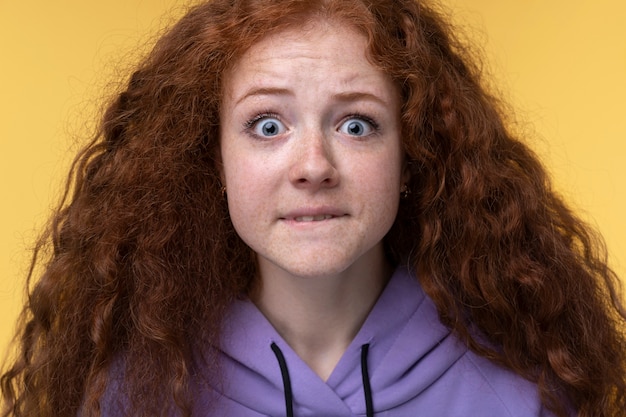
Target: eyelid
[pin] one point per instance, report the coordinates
(363, 118)
(250, 126)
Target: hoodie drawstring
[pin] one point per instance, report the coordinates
(286, 380)
(367, 389)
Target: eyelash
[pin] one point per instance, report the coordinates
(249, 124)
(363, 117)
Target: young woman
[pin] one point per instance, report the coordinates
(313, 208)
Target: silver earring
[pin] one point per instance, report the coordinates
(223, 191)
(405, 191)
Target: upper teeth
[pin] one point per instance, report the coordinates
(313, 218)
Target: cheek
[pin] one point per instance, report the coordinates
(237, 181)
(248, 195)
(384, 186)
(240, 172)
(387, 201)
(245, 196)
(382, 175)
(245, 215)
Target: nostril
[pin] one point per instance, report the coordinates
(313, 166)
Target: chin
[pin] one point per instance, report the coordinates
(321, 268)
(316, 272)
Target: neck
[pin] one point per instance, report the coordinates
(319, 316)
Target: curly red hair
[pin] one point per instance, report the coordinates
(141, 259)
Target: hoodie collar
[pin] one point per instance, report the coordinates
(401, 330)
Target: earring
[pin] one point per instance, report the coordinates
(223, 191)
(404, 191)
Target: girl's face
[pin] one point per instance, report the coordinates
(311, 152)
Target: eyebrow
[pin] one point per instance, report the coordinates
(359, 96)
(350, 96)
(265, 91)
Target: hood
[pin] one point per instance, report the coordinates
(406, 350)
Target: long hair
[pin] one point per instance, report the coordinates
(141, 260)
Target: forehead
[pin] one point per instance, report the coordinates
(319, 31)
(309, 50)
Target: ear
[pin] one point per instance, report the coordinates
(406, 172)
(219, 166)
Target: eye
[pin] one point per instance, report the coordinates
(358, 126)
(266, 126)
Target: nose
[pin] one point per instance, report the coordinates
(313, 166)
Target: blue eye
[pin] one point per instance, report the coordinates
(357, 126)
(266, 126)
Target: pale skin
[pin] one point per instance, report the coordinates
(313, 166)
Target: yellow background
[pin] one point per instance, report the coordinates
(561, 63)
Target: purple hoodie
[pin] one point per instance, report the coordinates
(403, 362)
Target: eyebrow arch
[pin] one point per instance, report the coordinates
(265, 91)
(359, 96)
(343, 97)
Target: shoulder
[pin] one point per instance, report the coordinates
(419, 367)
(483, 385)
